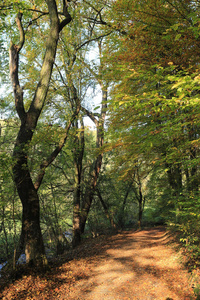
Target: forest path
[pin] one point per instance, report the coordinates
(131, 265)
(136, 265)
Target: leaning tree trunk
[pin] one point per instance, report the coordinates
(31, 236)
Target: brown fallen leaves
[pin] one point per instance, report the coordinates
(128, 265)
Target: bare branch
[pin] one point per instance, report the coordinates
(92, 40)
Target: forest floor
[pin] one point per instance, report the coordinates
(129, 265)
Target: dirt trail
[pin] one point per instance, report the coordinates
(130, 265)
(137, 265)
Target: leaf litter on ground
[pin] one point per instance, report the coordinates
(128, 265)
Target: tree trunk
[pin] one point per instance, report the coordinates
(86, 208)
(76, 226)
(105, 207)
(91, 187)
(31, 235)
(34, 246)
(175, 181)
(76, 216)
(31, 231)
(139, 195)
(95, 168)
(194, 179)
(174, 177)
(141, 201)
(79, 144)
(140, 215)
(96, 165)
(121, 220)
